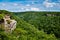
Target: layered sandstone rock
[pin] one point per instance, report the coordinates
(9, 27)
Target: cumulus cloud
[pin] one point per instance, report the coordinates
(30, 9)
(15, 4)
(46, 0)
(49, 4)
(35, 9)
(3, 4)
(27, 9)
(28, 5)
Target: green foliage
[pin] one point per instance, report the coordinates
(48, 21)
(28, 28)
(1, 16)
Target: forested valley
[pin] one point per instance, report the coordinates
(33, 26)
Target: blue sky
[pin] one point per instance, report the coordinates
(30, 5)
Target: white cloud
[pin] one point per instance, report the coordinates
(27, 9)
(58, 5)
(28, 5)
(3, 4)
(48, 4)
(22, 8)
(46, 0)
(15, 4)
(35, 9)
(30, 9)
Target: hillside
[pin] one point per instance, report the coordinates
(48, 21)
(30, 26)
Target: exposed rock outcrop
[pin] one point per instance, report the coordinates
(10, 27)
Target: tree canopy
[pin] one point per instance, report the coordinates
(33, 26)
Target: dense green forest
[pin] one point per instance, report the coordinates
(33, 26)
